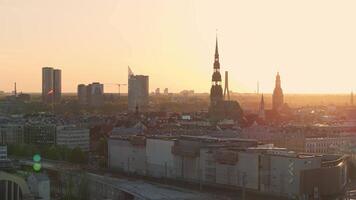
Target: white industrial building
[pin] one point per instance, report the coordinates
(72, 137)
(229, 162)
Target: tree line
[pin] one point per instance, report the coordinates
(51, 152)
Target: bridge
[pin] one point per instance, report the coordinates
(108, 187)
(13, 187)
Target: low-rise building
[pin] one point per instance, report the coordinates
(72, 137)
(328, 144)
(3, 153)
(11, 134)
(40, 133)
(231, 162)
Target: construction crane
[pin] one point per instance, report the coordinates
(118, 85)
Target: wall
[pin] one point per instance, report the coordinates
(159, 157)
(122, 155)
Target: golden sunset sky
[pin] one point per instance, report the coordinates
(312, 43)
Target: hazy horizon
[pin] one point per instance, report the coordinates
(311, 43)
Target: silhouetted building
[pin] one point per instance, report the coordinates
(165, 91)
(219, 108)
(352, 98)
(158, 92)
(277, 99)
(216, 92)
(57, 85)
(51, 85)
(82, 94)
(261, 111)
(138, 87)
(95, 94)
(92, 94)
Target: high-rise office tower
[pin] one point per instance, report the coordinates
(57, 85)
(165, 91)
(82, 94)
(216, 92)
(47, 84)
(138, 91)
(278, 98)
(51, 85)
(95, 94)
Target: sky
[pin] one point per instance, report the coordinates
(312, 43)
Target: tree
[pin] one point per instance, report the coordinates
(53, 153)
(77, 156)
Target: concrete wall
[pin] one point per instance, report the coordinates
(122, 155)
(160, 160)
(285, 173)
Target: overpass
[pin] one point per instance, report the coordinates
(109, 187)
(13, 187)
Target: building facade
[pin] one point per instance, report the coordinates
(230, 162)
(91, 94)
(40, 133)
(138, 92)
(11, 134)
(51, 85)
(3, 153)
(82, 94)
(57, 85)
(72, 137)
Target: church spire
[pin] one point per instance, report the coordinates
(261, 113)
(216, 48)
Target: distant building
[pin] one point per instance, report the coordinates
(278, 98)
(39, 185)
(95, 94)
(92, 94)
(187, 92)
(57, 84)
(352, 98)
(72, 137)
(138, 92)
(165, 91)
(157, 92)
(221, 109)
(51, 85)
(40, 133)
(3, 153)
(261, 111)
(11, 134)
(82, 94)
(233, 162)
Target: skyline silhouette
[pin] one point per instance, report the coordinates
(96, 41)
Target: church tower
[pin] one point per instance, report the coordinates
(261, 112)
(216, 92)
(278, 99)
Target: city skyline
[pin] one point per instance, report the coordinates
(312, 52)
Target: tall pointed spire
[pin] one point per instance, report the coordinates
(261, 113)
(216, 47)
(216, 92)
